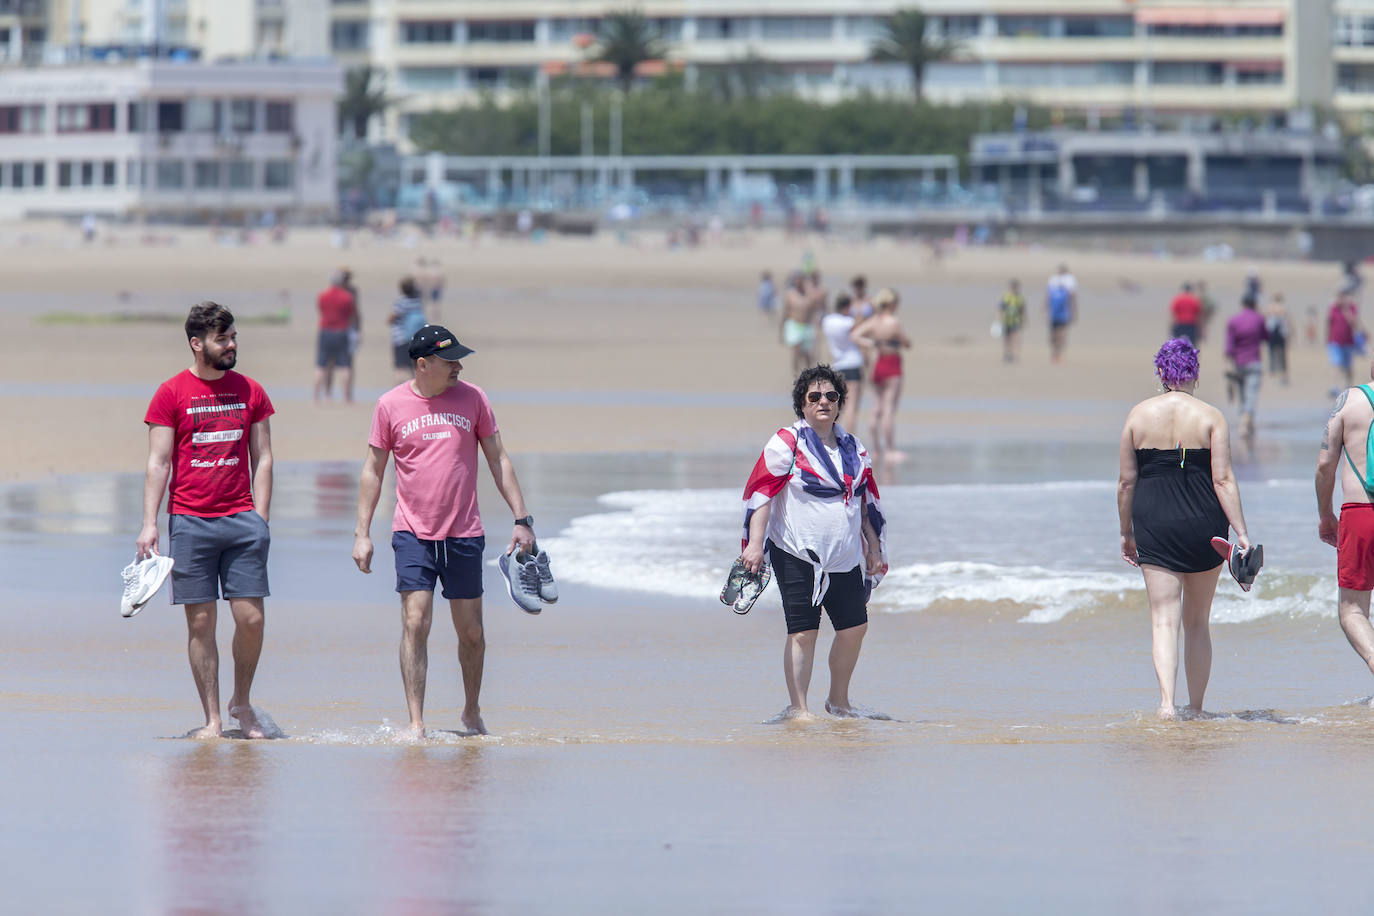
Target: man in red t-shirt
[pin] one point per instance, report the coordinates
(208, 432)
(338, 320)
(1187, 313)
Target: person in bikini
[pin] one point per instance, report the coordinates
(883, 333)
(1352, 534)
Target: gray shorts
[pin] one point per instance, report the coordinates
(228, 553)
(334, 349)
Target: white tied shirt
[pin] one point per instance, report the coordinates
(844, 353)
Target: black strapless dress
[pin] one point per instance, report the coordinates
(1175, 511)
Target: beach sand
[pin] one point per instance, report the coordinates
(630, 766)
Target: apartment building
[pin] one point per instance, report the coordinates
(170, 139)
(203, 29)
(23, 30)
(1106, 55)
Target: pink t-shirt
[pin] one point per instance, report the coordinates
(435, 444)
(210, 424)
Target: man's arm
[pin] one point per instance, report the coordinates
(154, 484)
(369, 491)
(503, 473)
(1328, 460)
(260, 460)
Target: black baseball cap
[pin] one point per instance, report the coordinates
(435, 340)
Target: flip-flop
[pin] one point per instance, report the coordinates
(1243, 565)
(742, 588)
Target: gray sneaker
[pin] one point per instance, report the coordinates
(522, 581)
(548, 589)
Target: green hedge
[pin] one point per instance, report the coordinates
(668, 120)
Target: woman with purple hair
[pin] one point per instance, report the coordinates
(1177, 492)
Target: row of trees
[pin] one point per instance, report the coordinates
(628, 39)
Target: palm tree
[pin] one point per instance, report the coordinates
(361, 100)
(627, 39)
(905, 41)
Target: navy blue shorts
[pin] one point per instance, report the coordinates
(457, 562)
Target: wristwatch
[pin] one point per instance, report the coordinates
(527, 521)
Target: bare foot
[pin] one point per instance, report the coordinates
(844, 712)
(248, 721)
(1166, 713)
(474, 724)
(791, 714)
(416, 732)
(205, 733)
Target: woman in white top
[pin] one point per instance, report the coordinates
(812, 505)
(846, 357)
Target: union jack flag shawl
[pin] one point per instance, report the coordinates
(797, 452)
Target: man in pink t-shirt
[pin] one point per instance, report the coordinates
(435, 424)
(208, 433)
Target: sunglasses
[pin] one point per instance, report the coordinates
(815, 396)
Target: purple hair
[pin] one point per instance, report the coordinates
(1176, 362)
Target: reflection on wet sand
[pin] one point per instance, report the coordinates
(431, 814)
(213, 811)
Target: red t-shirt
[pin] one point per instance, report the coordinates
(1187, 308)
(336, 309)
(211, 475)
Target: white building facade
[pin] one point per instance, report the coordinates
(1104, 55)
(168, 139)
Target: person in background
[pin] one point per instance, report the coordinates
(407, 318)
(1342, 324)
(1244, 334)
(1061, 303)
(846, 357)
(334, 347)
(1276, 324)
(1011, 309)
(767, 295)
(1186, 311)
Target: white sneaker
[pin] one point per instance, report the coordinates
(141, 582)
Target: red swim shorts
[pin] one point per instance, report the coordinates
(1355, 547)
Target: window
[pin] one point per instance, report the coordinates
(797, 28)
(507, 30)
(276, 174)
(87, 174)
(207, 174)
(563, 30)
(169, 117)
(425, 33)
(279, 117)
(719, 28)
(21, 119)
(869, 27)
(1189, 30)
(1258, 76)
(108, 176)
(17, 175)
(669, 27)
(1099, 27)
(170, 173)
(348, 36)
(241, 175)
(1023, 26)
(134, 174)
(40, 174)
(242, 115)
(64, 174)
(80, 118)
(959, 26)
(426, 78)
(202, 116)
(1188, 73)
(138, 118)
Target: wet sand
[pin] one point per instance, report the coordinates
(629, 765)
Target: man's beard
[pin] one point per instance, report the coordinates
(224, 361)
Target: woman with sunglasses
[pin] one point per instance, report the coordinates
(812, 512)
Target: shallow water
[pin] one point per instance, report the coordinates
(630, 765)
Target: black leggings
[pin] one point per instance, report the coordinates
(845, 598)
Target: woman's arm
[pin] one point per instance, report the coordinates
(758, 530)
(1224, 480)
(1125, 494)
